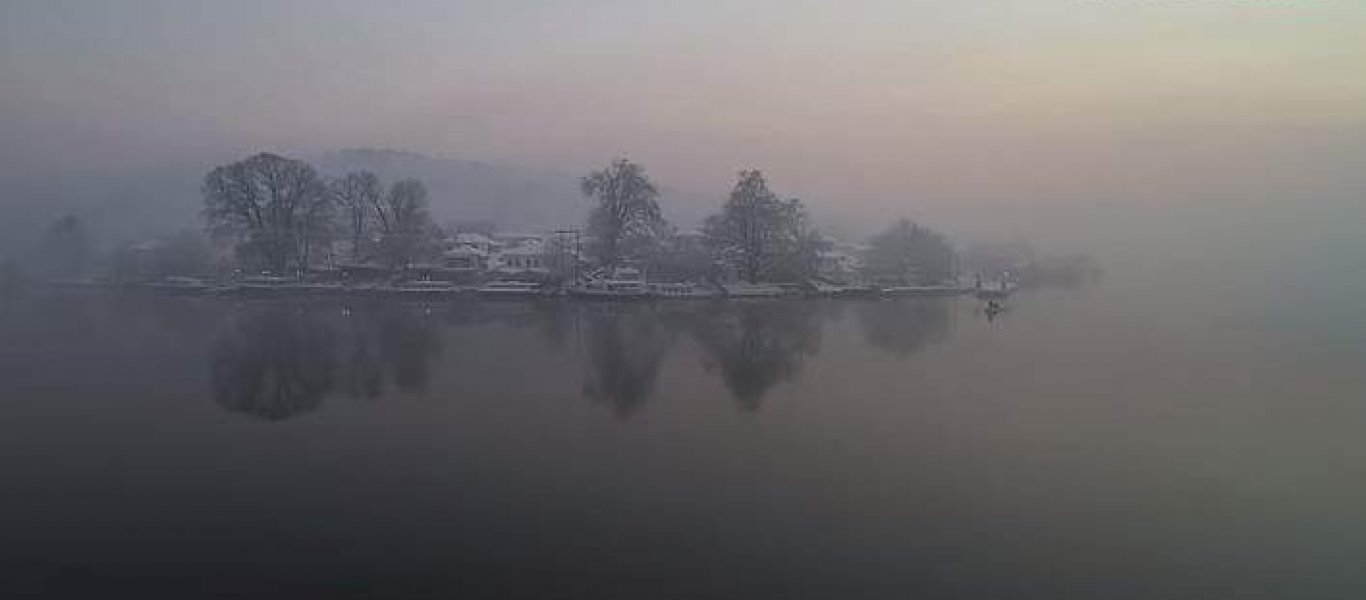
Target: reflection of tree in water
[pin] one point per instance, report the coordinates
(362, 374)
(385, 343)
(756, 345)
(273, 364)
(626, 348)
(278, 362)
(552, 322)
(904, 327)
(407, 344)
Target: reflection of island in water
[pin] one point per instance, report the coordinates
(905, 326)
(275, 362)
(756, 345)
(625, 350)
(280, 361)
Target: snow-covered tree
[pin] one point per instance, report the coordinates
(407, 232)
(761, 234)
(626, 222)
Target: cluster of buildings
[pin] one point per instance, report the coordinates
(841, 261)
(470, 257)
(474, 257)
(559, 256)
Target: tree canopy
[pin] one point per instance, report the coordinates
(626, 222)
(274, 206)
(908, 253)
(407, 232)
(358, 194)
(761, 234)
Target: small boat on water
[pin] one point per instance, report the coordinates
(510, 290)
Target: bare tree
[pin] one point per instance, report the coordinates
(358, 194)
(760, 233)
(274, 206)
(626, 220)
(406, 228)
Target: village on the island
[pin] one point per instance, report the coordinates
(273, 227)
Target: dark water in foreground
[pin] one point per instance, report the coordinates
(1083, 445)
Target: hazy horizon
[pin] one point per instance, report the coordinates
(1098, 126)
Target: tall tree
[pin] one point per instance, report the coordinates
(908, 253)
(626, 220)
(274, 206)
(800, 245)
(762, 234)
(407, 232)
(358, 194)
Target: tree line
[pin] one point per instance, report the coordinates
(279, 211)
(756, 232)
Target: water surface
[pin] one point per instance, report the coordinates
(1085, 444)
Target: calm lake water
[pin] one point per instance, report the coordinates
(1085, 444)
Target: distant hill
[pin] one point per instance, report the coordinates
(468, 190)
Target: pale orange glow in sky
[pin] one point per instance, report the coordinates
(992, 117)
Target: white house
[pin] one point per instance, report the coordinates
(465, 258)
(524, 257)
(474, 241)
(840, 261)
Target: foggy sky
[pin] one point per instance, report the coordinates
(1080, 120)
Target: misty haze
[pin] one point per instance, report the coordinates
(751, 299)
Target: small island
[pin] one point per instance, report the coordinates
(274, 227)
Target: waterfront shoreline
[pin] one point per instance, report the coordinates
(465, 293)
